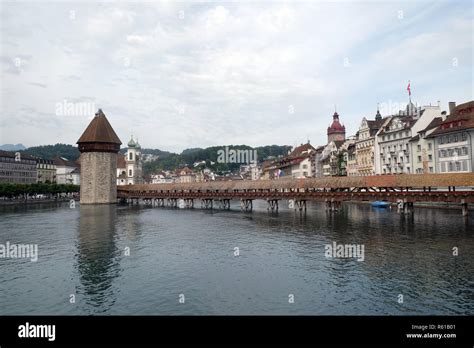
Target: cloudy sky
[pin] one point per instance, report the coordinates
(196, 74)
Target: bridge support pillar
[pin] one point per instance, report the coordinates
(172, 202)
(300, 205)
(246, 204)
(189, 203)
(224, 203)
(272, 204)
(408, 207)
(465, 210)
(333, 205)
(207, 203)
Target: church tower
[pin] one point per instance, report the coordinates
(134, 163)
(99, 146)
(336, 132)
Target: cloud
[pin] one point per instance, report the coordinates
(192, 74)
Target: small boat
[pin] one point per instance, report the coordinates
(380, 204)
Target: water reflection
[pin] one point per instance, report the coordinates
(176, 251)
(98, 259)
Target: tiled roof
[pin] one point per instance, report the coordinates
(186, 171)
(375, 124)
(61, 161)
(433, 124)
(408, 122)
(99, 131)
(461, 119)
(12, 155)
(121, 162)
(300, 150)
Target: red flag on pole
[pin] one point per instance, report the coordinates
(408, 88)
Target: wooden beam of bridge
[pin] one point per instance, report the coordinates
(415, 187)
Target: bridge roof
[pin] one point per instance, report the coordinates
(405, 180)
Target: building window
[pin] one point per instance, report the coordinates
(463, 137)
(429, 146)
(430, 158)
(431, 169)
(419, 158)
(464, 150)
(129, 172)
(418, 148)
(130, 156)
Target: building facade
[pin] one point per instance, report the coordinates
(365, 145)
(331, 159)
(454, 140)
(121, 170)
(423, 149)
(46, 170)
(351, 164)
(393, 139)
(18, 168)
(67, 172)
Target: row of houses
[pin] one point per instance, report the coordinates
(16, 167)
(416, 140)
(187, 175)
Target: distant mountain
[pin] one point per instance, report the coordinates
(12, 147)
(50, 151)
(190, 156)
(162, 154)
(167, 160)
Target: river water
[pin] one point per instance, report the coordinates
(143, 260)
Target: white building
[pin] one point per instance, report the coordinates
(67, 172)
(423, 149)
(393, 138)
(161, 178)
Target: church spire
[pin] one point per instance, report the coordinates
(378, 117)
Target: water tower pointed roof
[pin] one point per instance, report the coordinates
(99, 131)
(99, 136)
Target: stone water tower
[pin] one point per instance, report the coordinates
(99, 146)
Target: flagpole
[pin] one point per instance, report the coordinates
(409, 98)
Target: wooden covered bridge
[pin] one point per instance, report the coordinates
(405, 189)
